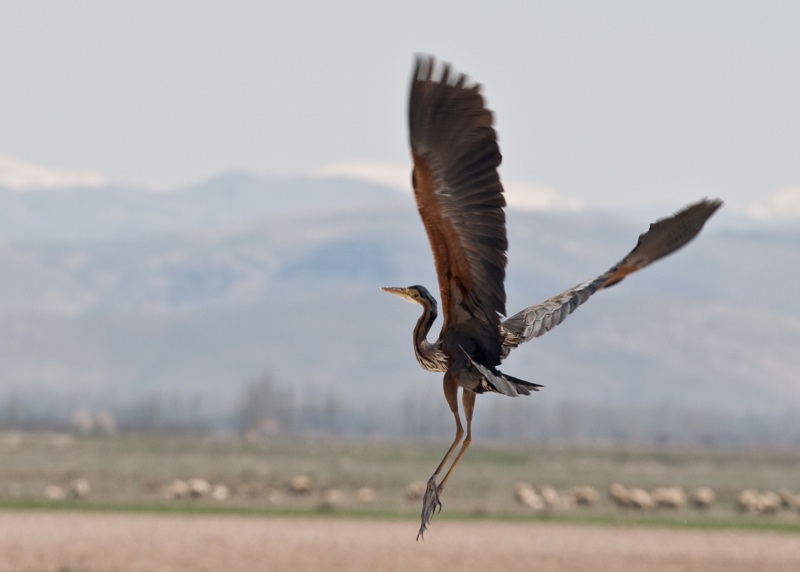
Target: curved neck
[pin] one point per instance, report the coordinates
(427, 355)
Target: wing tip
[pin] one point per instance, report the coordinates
(690, 220)
(423, 66)
(427, 68)
(707, 206)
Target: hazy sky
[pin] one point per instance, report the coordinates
(597, 103)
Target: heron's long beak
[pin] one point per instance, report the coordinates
(399, 291)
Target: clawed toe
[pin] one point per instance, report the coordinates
(430, 505)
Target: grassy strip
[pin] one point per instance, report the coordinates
(191, 508)
(597, 519)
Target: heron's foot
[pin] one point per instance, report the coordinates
(430, 505)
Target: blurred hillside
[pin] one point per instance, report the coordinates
(110, 295)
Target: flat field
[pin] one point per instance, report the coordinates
(127, 523)
(89, 542)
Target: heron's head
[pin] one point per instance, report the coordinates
(414, 294)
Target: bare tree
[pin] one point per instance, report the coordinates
(265, 409)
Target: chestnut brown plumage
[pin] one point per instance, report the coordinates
(460, 199)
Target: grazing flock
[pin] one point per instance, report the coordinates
(541, 498)
(748, 501)
(302, 491)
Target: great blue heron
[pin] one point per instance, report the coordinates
(460, 200)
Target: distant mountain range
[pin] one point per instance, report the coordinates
(111, 293)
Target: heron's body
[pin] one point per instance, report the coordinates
(460, 199)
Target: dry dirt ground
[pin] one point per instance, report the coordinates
(81, 542)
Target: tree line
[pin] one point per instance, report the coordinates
(266, 409)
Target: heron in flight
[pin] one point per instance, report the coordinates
(460, 199)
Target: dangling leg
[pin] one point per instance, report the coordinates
(430, 501)
(468, 400)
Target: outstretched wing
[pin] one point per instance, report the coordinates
(459, 194)
(664, 237)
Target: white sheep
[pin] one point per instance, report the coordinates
(585, 495)
(177, 489)
(300, 484)
(789, 499)
(525, 495)
(80, 489)
(633, 497)
(550, 496)
(749, 501)
(640, 499)
(673, 498)
(366, 495)
(331, 498)
(54, 492)
(199, 488)
(703, 498)
(415, 491)
(220, 492)
(619, 495)
(770, 502)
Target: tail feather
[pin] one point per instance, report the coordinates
(499, 382)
